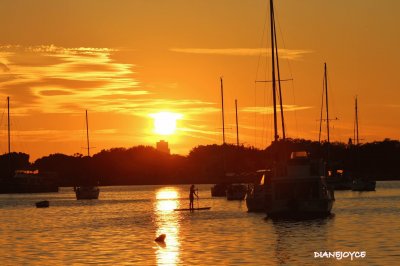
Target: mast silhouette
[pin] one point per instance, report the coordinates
(327, 119)
(237, 124)
(356, 123)
(9, 137)
(327, 101)
(223, 114)
(8, 126)
(87, 134)
(273, 42)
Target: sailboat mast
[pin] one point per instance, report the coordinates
(87, 134)
(356, 131)
(271, 9)
(223, 114)
(237, 124)
(279, 84)
(8, 125)
(326, 98)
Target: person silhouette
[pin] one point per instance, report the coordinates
(192, 193)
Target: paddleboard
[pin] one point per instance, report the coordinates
(194, 209)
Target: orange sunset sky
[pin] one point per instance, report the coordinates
(127, 60)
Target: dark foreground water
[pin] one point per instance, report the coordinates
(120, 228)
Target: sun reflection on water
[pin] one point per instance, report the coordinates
(167, 223)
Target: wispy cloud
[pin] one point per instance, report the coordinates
(270, 110)
(48, 78)
(283, 53)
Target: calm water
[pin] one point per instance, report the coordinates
(120, 228)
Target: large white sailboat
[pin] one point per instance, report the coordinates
(296, 186)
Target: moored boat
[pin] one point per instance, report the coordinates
(297, 186)
(236, 191)
(255, 195)
(218, 190)
(24, 180)
(298, 189)
(363, 184)
(87, 191)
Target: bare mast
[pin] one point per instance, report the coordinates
(271, 9)
(356, 123)
(8, 126)
(87, 134)
(237, 124)
(327, 101)
(223, 114)
(279, 80)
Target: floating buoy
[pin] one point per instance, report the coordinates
(160, 238)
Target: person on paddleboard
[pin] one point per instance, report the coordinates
(191, 196)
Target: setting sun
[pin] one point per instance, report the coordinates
(165, 122)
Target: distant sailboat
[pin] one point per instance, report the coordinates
(360, 184)
(87, 192)
(26, 180)
(335, 177)
(219, 190)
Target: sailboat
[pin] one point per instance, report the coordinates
(219, 189)
(336, 177)
(360, 184)
(236, 191)
(25, 180)
(87, 192)
(296, 187)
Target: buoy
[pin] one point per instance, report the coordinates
(160, 238)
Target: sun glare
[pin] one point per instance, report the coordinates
(165, 122)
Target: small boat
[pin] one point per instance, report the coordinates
(363, 184)
(218, 190)
(339, 182)
(87, 192)
(236, 191)
(255, 196)
(42, 204)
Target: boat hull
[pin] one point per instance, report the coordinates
(236, 192)
(299, 208)
(255, 204)
(87, 193)
(363, 185)
(218, 190)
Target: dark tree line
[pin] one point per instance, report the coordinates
(204, 164)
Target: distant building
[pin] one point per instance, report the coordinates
(163, 146)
